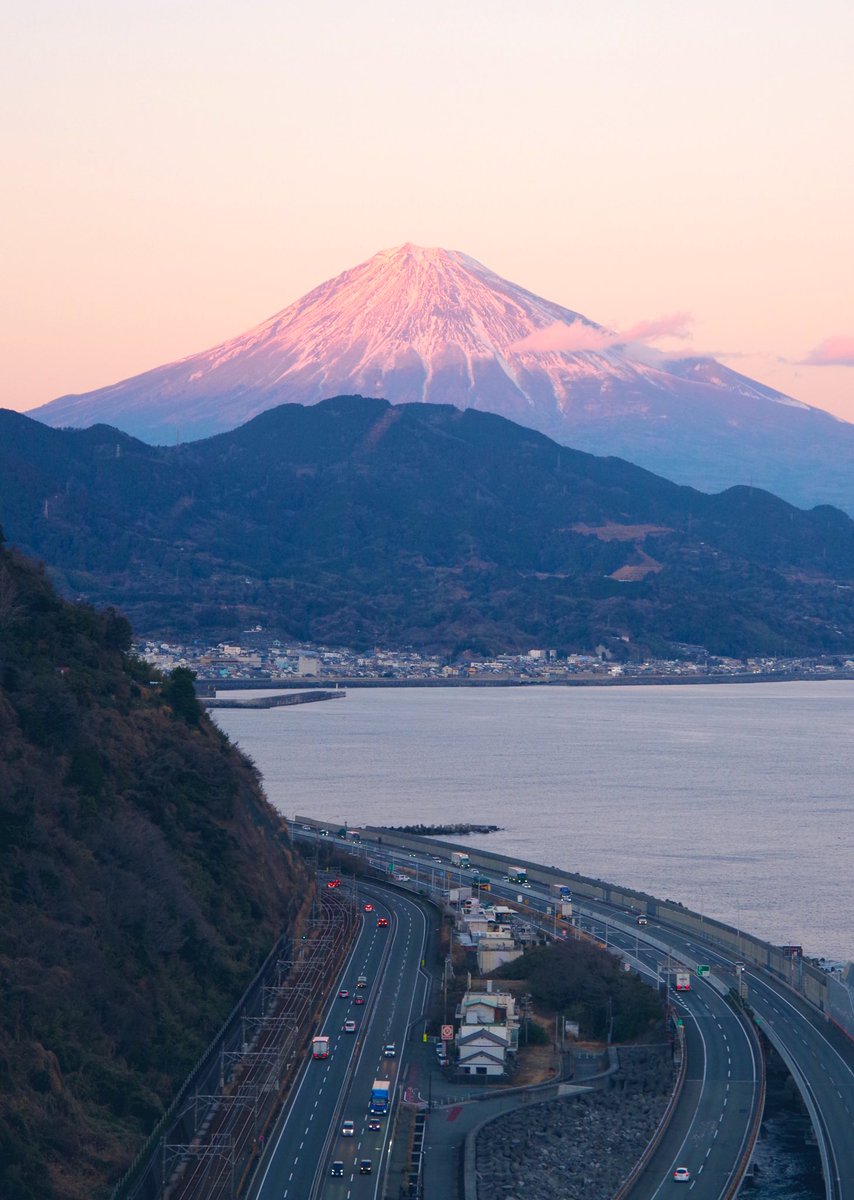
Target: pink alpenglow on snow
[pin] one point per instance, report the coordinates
(427, 325)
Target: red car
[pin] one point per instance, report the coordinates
(334, 883)
(369, 908)
(358, 998)
(382, 922)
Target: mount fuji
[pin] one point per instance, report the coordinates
(430, 325)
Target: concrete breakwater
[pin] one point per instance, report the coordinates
(271, 701)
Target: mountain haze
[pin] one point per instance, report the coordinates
(416, 325)
(355, 522)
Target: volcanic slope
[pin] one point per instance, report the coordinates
(355, 522)
(431, 325)
(143, 881)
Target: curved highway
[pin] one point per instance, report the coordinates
(819, 1056)
(713, 1120)
(712, 1123)
(717, 1110)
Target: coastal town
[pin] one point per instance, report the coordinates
(257, 660)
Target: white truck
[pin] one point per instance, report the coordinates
(683, 981)
(518, 875)
(461, 860)
(320, 1047)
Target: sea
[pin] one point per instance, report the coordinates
(735, 799)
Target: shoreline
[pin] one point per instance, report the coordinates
(266, 683)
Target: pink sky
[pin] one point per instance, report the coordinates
(176, 172)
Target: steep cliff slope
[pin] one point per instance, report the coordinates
(143, 879)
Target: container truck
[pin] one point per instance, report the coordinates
(683, 981)
(459, 859)
(379, 1096)
(518, 875)
(320, 1047)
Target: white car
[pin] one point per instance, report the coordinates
(682, 1174)
(348, 1129)
(349, 1026)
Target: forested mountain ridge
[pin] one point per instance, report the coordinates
(143, 880)
(356, 522)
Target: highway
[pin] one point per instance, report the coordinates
(819, 1056)
(718, 1107)
(717, 1110)
(298, 1158)
(722, 1074)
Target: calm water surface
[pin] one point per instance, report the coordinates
(734, 799)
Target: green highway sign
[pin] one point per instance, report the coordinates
(702, 971)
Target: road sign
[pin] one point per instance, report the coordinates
(703, 971)
(447, 1033)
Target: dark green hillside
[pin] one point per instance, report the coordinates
(588, 985)
(354, 522)
(143, 880)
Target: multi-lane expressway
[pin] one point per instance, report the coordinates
(300, 1151)
(717, 1110)
(708, 1133)
(712, 1125)
(820, 1057)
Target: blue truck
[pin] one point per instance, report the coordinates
(379, 1096)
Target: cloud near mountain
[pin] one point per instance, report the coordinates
(580, 336)
(832, 352)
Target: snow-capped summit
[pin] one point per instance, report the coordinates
(426, 324)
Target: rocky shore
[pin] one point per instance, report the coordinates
(579, 1147)
(437, 830)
